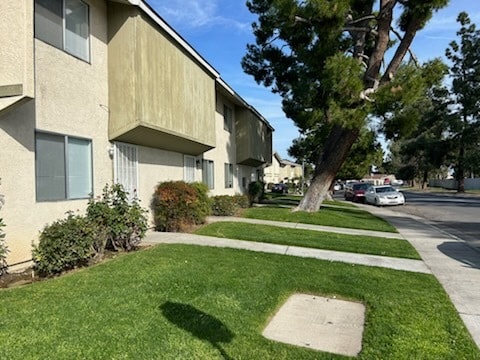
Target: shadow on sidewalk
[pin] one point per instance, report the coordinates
(461, 252)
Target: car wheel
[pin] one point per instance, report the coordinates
(377, 203)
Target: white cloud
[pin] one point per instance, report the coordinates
(195, 14)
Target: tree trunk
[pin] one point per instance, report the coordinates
(334, 153)
(425, 178)
(460, 169)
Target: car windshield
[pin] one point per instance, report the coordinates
(360, 186)
(385, 189)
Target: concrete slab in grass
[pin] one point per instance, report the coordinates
(319, 323)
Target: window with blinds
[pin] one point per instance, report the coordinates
(208, 173)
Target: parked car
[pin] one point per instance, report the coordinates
(384, 195)
(397, 182)
(356, 192)
(280, 188)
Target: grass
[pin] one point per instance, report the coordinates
(294, 200)
(188, 302)
(339, 203)
(312, 239)
(338, 217)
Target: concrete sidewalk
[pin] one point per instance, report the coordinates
(452, 262)
(351, 258)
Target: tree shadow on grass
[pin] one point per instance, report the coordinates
(199, 324)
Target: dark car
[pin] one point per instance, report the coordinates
(280, 188)
(356, 192)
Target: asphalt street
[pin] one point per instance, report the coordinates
(456, 215)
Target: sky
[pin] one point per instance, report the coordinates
(219, 30)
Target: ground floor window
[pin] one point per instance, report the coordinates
(189, 168)
(228, 176)
(126, 167)
(63, 167)
(208, 173)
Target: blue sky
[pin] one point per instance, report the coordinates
(220, 29)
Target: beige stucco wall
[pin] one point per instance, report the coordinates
(290, 172)
(16, 50)
(272, 172)
(156, 85)
(71, 98)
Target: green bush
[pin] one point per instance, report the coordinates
(256, 192)
(203, 205)
(3, 244)
(65, 244)
(124, 222)
(241, 201)
(3, 249)
(178, 205)
(224, 205)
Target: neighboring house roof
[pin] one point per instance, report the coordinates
(377, 176)
(284, 162)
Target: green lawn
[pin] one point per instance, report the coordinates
(188, 302)
(339, 217)
(312, 239)
(294, 200)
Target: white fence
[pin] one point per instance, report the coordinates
(451, 184)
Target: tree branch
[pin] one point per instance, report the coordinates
(399, 36)
(384, 21)
(410, 32)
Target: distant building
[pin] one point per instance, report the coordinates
(282, 170)
(379, 179)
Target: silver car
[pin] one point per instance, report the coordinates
(384, 195)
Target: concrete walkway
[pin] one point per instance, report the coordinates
(455, 265)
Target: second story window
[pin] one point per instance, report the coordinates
(65, 25)
(227, 118)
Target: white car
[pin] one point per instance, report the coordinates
(384, 195)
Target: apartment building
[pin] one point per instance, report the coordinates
(282, 170)
(94, 92)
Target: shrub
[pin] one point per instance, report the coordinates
(3, 250)
(241, 201)
(256, 192)
(65, 244)
(178, 205)
(124, 222)
(203, 205)
(224, 205)
(3, 245)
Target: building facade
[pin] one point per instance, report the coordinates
(282, 171)
(96, 92)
